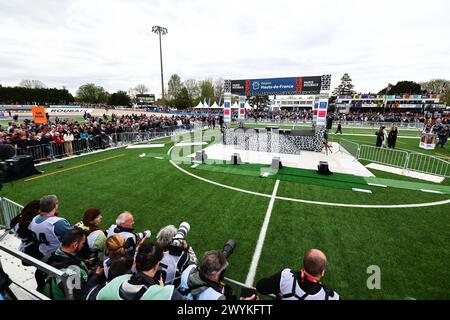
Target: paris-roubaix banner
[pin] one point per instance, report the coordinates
(292, 86)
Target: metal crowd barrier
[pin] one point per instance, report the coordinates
(64, 277)
(59, 150)
(9, 210)
(390, 157)
(405, 160)
(429, 164)
(350, 147)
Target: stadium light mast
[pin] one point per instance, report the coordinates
(160, 31)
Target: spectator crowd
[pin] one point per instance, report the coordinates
(60, 134)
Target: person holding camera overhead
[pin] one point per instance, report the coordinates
(178, 255)
(124, 227)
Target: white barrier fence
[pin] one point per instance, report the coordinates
(9, 210)
(50, 151)
(413, 161)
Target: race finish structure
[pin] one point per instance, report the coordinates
(319, 86)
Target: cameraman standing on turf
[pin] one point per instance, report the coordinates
(178, 255)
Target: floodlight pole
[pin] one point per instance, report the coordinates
(160, 30)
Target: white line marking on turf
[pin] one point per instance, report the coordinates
(330, 204)
(195, 165)
(145, 146)
(377, 185)
(262, 236)
(187, 144)
(361, 190)
(160, 158)
(431, 191)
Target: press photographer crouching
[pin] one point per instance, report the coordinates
(124, 227)
(177, 254)
(205, 282)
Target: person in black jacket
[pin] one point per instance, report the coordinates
(392, 137)
(20, 224)
(380, 137)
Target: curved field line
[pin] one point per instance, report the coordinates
(330, 204)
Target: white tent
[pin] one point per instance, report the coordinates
(235, 106)
(200, 106)
(247, 106)
(222, 106)
(205, 105)
(215, 106)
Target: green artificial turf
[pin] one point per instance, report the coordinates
(410, 245)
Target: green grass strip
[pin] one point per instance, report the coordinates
(304, 176)
(401, 184)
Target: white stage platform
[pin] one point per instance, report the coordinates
(340, 162)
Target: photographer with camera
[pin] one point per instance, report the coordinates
(205, 282)
(124, 227)
(300, 285)
(144, 283)
(178, 255)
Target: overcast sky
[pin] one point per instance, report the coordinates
(109, 42)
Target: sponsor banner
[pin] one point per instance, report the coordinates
(322, 112)
(238, 87)
(145, 99)
(311, 85)
(227, 108)
(294, 85)
(68, 110)
(39, 114)
(406, 106)
(369, 105)
(241, 115)
(273, 86)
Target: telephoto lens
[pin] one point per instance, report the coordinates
(181, 234)
(145, 234)
(228, 248)
(183, 230)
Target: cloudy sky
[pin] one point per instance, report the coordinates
(109, 42)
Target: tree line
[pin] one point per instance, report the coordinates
(188, 93)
